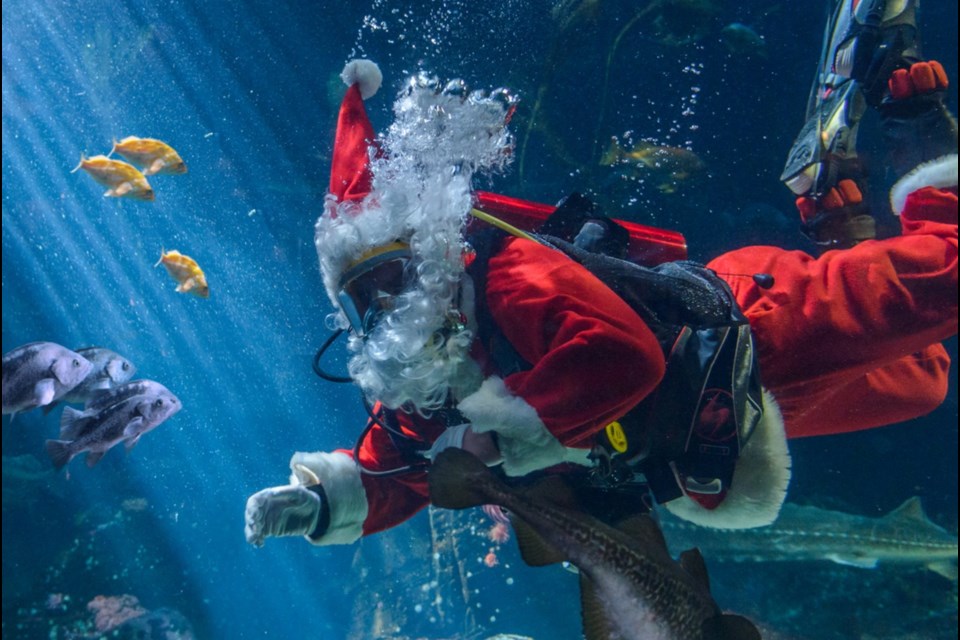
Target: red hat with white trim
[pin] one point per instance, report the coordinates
(355, 261)
(350, 177)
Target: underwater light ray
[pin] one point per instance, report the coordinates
(179, 453)
(73, 231)
(78, 239)
(232, 96)
(68, 48)
(45, 293)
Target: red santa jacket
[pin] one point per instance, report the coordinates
(846, 341)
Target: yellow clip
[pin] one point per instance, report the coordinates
(616, 436)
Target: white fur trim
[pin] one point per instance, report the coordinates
(759, 484)
(340, 478)
(940, 173)
(525, 442)
(366, 73)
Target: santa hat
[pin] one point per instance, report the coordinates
(350, 177)
(416, 188)
(351, 180)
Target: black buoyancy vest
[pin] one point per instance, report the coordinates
(691, 428)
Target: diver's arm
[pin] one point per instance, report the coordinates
(593, 358)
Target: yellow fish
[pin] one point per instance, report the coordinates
(123, 180)
(186, 272)
(153, 155)
(668, 167)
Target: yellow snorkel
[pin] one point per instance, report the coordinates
(503, 226)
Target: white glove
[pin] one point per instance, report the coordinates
(290, 510)
(451, 437)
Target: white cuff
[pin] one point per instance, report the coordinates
(340, 478)
(940, 173)
(525, 442)
(759, 484)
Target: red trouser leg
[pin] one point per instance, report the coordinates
(838, 333)
(905, 389)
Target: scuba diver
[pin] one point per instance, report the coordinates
(548, 352)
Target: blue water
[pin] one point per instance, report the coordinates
(247, 93)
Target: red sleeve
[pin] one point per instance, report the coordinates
(829, 321)
(391, 500)
(593, 357)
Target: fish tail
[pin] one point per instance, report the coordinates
(59, 452)
(613, 153)
(80, 164)
(459, 480)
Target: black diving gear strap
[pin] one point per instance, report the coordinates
(318, 369)
(411, 448)
(323, 521)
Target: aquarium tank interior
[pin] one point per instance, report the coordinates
(165, 164)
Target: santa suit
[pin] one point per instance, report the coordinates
(846, 341)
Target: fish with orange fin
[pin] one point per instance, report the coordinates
(186, 272)
(154, 156)
(121, 179)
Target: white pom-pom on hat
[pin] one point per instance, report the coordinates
(364, 73)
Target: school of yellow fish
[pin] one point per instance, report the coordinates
(124, 180)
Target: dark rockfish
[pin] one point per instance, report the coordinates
(97, 430)
(631, 589)
(103, 398)
(40, 373)
(110, 370)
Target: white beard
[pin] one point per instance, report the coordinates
(413, 358)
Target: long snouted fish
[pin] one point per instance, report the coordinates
(905, 536)
(631, 589)
(96, 431)
(40, 373)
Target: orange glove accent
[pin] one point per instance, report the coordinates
(845, 194)
(920, 78)
(849, 192)
(831, 199)
(807, 208)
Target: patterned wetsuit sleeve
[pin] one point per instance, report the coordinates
(593, 357)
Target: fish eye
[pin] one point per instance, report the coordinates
(126, 366)
(158, 402)
(76, 363)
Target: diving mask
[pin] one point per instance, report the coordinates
(369, 287)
